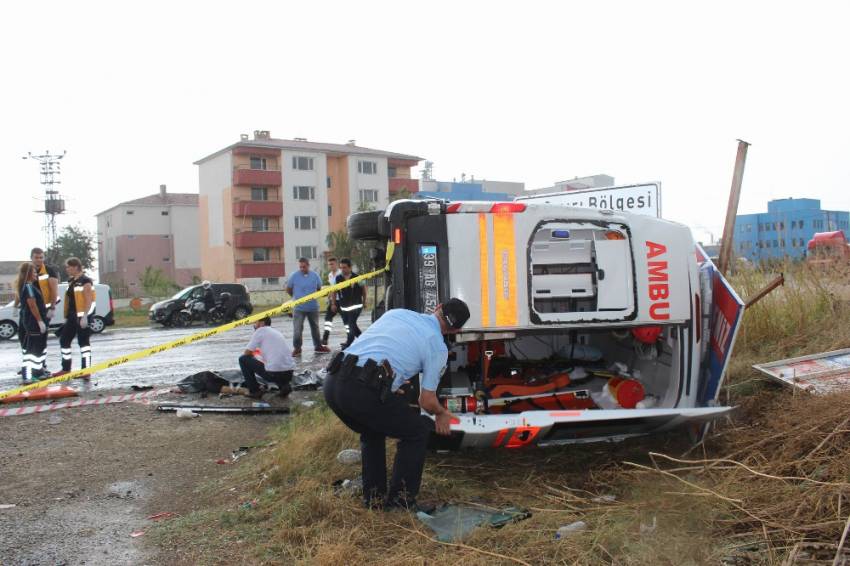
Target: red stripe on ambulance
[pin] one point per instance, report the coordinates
(659, 288)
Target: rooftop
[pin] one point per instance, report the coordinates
(162, 198)
(262, 139)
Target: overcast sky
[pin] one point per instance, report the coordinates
(532, 92)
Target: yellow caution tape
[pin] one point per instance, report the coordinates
(191, 339)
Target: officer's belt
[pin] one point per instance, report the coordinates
(374, 375)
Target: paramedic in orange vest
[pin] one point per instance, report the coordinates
(48, 284)
(79, 304)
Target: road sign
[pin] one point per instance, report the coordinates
(638, 199)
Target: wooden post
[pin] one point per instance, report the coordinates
(732, 208)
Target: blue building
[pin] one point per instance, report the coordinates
(786, 227)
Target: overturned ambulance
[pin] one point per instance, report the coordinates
(585, 325)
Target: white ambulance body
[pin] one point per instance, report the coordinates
(585, 325)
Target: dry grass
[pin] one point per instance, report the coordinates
(772, 487)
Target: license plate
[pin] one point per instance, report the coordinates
(429, 288)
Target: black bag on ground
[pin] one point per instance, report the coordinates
(202, 382)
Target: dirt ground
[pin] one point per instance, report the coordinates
(83, 479)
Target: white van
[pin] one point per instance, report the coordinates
(585, 325)
(101, 317)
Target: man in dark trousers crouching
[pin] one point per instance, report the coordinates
(276, 365)
(362, 388)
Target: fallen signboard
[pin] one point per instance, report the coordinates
(827, 372)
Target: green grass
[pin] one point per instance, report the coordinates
(126, 317)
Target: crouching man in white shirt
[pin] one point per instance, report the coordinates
(276, 365)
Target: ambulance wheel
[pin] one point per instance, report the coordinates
(240, 313)
(8, 329)
(97, 324)
(365, 225)
(182, 319)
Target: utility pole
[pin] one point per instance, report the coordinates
(54, 204)
(732, 208)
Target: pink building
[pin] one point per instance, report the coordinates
(160, 230)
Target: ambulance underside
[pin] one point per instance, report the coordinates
(584, 326)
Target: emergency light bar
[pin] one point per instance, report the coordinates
(495, 208)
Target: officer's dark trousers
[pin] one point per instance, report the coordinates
(329, 325)
(70, 329)
(252, 367)
(360, 408)
(349, 319)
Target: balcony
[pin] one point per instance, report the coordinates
(397, 185)
(259, 269)
(256, 177)
(258, 239)
(258, 208)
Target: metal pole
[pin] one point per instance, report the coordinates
(732, 208)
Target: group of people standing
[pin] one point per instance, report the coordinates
(37, 295)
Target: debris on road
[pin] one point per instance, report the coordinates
(308, 380)
(231, 409)
(162, 516)
(571, 529)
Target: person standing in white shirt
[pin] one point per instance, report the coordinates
(333, 273)
(276, 365)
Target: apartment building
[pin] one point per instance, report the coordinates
(471, 189)
(159, 230)
(265, 202)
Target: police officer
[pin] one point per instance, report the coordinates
(79, 303)
(362, 388)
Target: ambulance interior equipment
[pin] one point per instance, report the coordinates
(584, 325)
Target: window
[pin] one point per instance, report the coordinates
(305, 251)
(166, 236)
(749, 227)
(367, 167)
(330, 210)
(259, 224)
(258, 163)
(166, 259)
(782, 226)
(164, 213)
(793, 224)
(305, 222)
(261, 254)
(801, 224)
(368, 195)
(793, 242)
(782, 243)
(259, 193)
(392, 172)
(303, 193)
(131, 236)
(270, 280)
(329, 182)
(131, 260)
(130, 212)
(302, 163)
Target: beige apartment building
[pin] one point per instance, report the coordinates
(159, 230)
(265, 202)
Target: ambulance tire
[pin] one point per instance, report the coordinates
(366, 225)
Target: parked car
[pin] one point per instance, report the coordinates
(165, 312)
(585, 325)
(99, 319)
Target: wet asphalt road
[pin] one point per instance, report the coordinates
(217, 353)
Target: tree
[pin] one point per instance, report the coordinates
(341, 245)
(73, 241)
(155, 283)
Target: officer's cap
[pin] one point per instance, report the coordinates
(455, 312)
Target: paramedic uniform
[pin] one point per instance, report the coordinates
(76, 307)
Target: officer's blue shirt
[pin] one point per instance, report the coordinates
(411, 342)
(303, 284)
